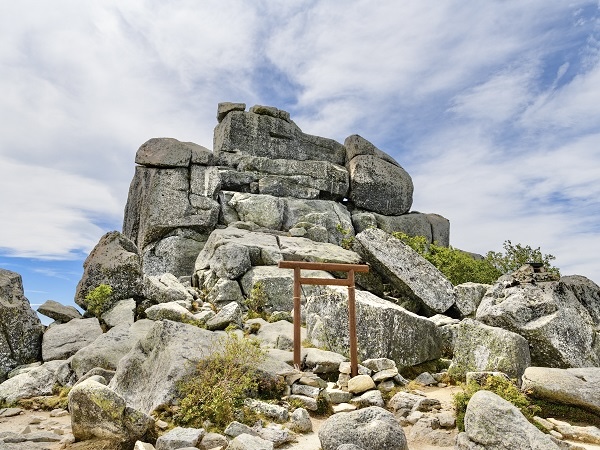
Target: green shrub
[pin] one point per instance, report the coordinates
(499, 386)
(456, 265)
(516, 255)
(216, 391)
(256, 302)
(99, 300)
(347, 240)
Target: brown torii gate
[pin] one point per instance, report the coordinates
(349, 281)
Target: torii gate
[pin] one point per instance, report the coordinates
(349, 281)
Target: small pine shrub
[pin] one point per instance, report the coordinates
(500, 386)
(256, 302)
(99, 300)
(216, 391)
(347, 240)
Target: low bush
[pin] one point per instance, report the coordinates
(99, 300)
(499, 386)
(215, 392)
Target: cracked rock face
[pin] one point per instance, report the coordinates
(20, 328)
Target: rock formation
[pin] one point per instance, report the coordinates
(203, 233)
(20, 328)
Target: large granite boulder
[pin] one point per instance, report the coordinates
(277, 285)
(479, 347)
(31, 383)
(97, 412)
(559, 319)
(269, 132)
(379, 186)
(384, 330)
(371, 427)
(107, 349)
(299, 179)
(165, 288)
(63, 340)
(435, 228)
(468, 297)
(20, 328)
(175, 253)
(319, 220)
(58, 311)
(409, 273)
(492, 423)
(162, 200)
(148, 375)
(113, 261)
(577, 386)
(168, 152)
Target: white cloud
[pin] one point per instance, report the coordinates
(491, 107)
(52, 214)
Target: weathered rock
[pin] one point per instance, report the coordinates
(170, 311)
(63, 340)
(236, 428)
(33, 383)
(175, 253)
(275, 335)
(321, 361)
(122, 312)
(277, 284)
(229, 314)
(162, 200)
(384, 330)
(357, 145)
(435, 228)
(578, 387)
(410, 273)
(379, 186)
(262, 248)
(493, 423)
(589, 434)
(98, 412)
(20, 328)
(168, 152)
(225, 291)
(369, 398)
(225, 108)
(258, 134)
(360, 384)
(309, 391)
(231, 261)
(58, 311)
(479, 347)
(249, 442)
(559, 327)
(148, 375)
(180, 437)
(403, 402)
(166, 288)
(113, 261)
(379, 364)
(427, 431)
(468, 297)
(300, 421)
(301, 249)
(269, 410)
(299, 179)
(214, 441)
(277, 434)
(371, 427)
(306, 402)
(107, 349)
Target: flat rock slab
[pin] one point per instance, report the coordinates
(577, 387)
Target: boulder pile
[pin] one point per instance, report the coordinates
(197, 261)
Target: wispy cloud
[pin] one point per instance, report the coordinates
(491, 107)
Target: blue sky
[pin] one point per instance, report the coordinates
(492, 107)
